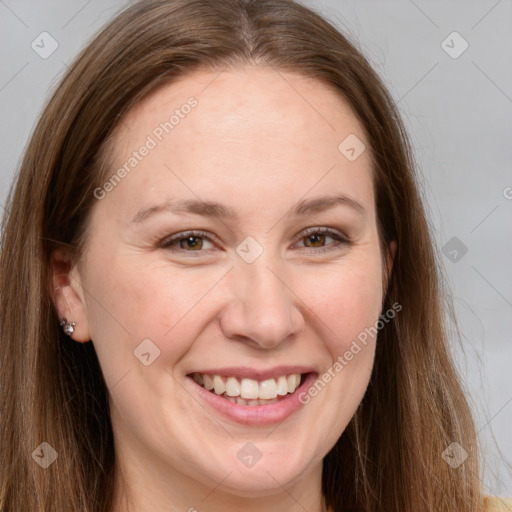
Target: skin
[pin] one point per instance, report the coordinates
(258, 141)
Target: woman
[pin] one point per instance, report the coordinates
(214, 221)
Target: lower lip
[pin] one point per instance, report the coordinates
(256, 414)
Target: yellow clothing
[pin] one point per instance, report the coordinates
(495, 504)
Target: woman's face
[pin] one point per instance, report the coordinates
(239, 247)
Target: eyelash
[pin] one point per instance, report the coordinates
(339, 240)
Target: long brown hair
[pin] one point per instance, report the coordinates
(389, 459)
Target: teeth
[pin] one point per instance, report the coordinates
(293, 382)
(249, 391)
(282, 386)
(218, 385)
(208, 381)
(268, 389)
(232, 387)
(241, 401)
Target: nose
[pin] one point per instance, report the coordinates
(262, 309)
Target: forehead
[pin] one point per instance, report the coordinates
(281, 100)
(255, 130)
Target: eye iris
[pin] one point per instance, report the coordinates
(191, 242)
(315, 240)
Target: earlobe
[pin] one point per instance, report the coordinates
(67, 296)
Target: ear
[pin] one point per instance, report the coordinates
(67, 293)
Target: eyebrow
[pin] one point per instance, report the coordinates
(217, 210)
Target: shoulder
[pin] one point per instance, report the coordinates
(496, 504)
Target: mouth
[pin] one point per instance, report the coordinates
(250, 397)
(250, 392)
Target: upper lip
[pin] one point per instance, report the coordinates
(246, 372)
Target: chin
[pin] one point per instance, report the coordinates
(265, 477)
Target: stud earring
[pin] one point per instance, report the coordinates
(68, 328)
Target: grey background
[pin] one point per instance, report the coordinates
(458, 112)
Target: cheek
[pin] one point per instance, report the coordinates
(130, 302)
(346, 300)
(345, 305)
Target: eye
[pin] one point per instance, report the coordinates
(314, 239)
(190, 241)
(318, 238)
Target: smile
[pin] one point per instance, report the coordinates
(249, 397)
(249, 392)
